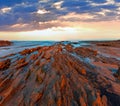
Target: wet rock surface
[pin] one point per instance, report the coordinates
(117, 74)
(60, 75)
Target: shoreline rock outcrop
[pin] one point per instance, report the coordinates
(59, 75)
(5, 43)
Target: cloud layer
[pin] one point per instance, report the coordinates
(27, 15)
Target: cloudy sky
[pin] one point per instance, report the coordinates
(59, 19)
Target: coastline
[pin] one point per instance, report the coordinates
(62, 74)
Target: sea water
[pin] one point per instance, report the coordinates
(18, 46)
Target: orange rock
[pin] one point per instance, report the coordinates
(86, 52)
(37, 62)
(26, 51)
(5, 64)
(21, 61)
(22, 65)
(83, 71)
(47, 55)
(104, 100)
(34, 57)
(36, 97)
(63, 82)
(50, 102)
(82, 102)
(98, 101)
(59, 102)
(69, 47)
(29, 51)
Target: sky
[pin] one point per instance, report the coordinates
(59, 19)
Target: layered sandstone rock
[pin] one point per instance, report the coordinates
(58, 75)
(4, 64)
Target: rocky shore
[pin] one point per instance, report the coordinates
(5, 43)
(62, 75)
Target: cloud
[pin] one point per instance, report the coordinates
(58, 5)
(5, 10)
(42, 11)
(16, 15)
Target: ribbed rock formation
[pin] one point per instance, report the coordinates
(59, 75)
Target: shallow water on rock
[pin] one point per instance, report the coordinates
(21, 45)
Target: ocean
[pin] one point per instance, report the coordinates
(18, 46)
